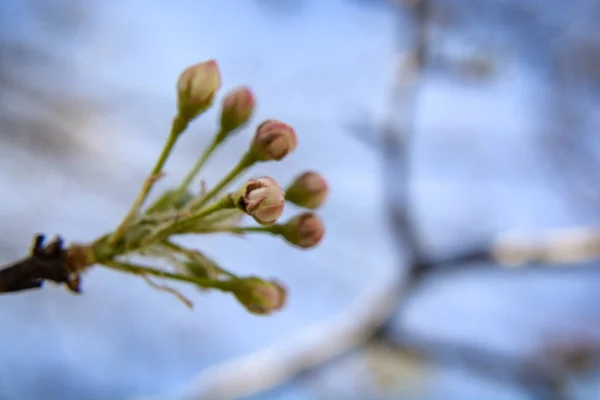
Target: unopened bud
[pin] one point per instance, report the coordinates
(238, 106)
(260, 296)
(305, 230)
(273, 141)
(262, 199)
(309, 190)
(196, 88)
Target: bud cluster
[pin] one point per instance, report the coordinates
(186, 211)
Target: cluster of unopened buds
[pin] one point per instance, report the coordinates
(150, 231)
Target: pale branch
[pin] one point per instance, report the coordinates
(554, 248)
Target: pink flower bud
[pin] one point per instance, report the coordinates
(259, 296)
(309, 190)
(305, 230)
(273, 141)
(262, 198)
(196, 88)
(238, 106)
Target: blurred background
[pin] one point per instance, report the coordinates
(458, 138)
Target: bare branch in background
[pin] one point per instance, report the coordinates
(566, 246)
(535, 378)
(568, 135)
(398, 133)
(557, 248)
(560, 248)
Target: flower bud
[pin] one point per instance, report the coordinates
(309, 190)
(238, 106)
(260, 296)
(273, 141)
(262, 199)
(196, 88)
(305, 230)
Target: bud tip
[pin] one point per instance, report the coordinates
(238, 106)
(196, 88)
(273, 140)
(259, 296)
(305, 230)
(308, 190)
(261, 198)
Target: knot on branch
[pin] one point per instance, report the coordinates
(44, 263)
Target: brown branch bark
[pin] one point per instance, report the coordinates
(49, 263)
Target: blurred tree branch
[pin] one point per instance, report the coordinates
(536, 379)
(397, 135)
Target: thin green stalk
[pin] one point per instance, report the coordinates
(273, 230)
(223, 216)
(180, 225)
(193, 254)
(137, 269)
(177, 128)
(198, 165)
(246, 162)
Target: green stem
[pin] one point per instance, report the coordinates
(180, 225)
(177, 128)
(145, 270)
(273, 229)
(193, 254)
(199, 164)
(246, 162)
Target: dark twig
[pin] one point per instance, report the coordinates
(398, 131)
(45, 263)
